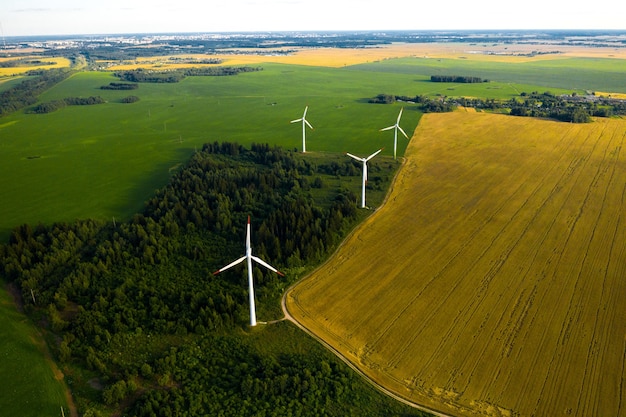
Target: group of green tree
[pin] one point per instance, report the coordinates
(456, 79)
(120, 86)
(24, 62)
(51, 106)
(425, 104)
(26, 93)
(134, 305)
(173, 76)
(566, 108)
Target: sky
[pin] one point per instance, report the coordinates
(65, 17)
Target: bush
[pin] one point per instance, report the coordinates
(130, 99)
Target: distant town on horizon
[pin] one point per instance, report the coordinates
(342, 39)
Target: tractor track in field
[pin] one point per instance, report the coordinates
(354, 367)
(530, 278)
(336, 352)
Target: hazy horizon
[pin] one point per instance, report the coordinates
(76, 17)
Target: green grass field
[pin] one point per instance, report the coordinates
(557, 74)
(104, 161)
(29, 385)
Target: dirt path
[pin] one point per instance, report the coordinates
(372, 382)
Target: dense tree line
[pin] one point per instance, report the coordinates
(456, 79)
(111, 292)
(552, 106)
(25, 93)
(51, 106)
(120, 86)
(426, 104)
(572, 108)
(146, 76)
(219, 71)
(174, 76)
(23, 63)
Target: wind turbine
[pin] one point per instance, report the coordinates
(364, 160)
(305, 123)
(396, 127)
(249, 257)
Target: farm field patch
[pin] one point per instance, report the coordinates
(58, 62)
(31, 388)
(491, 281)
(340, 57)
(104, 161)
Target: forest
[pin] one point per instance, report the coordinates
(174, 76)
(139, 324)
(456, 79)
(24, 62)
(120, 86)
(51, 106)
(25, 93)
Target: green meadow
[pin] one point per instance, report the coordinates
(29, 385)
(558, 75)
(104, 161)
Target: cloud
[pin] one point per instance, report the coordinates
(47, 10)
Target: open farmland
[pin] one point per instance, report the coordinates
(491, 283)
(104, 161)
(46, 63)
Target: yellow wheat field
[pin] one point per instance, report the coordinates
(493, 281)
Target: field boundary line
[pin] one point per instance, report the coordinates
(351, 364)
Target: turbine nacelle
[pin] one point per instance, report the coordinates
(396, 127)
(305, 123)
(364, 161)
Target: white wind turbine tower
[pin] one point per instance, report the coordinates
(364, 160)
(249, 257)
(396, 127)
(305, 123)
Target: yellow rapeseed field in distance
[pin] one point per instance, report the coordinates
(620, 96)
(492, 282)
(339, 57)
(60, 62)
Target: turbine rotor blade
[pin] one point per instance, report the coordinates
(305, 109)
(295, 121)
(399, 115)
(268, 266)
(238, 261)
(374, 154)
(405, 135)
(307, 123)
(353, 156)
(388, 128)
